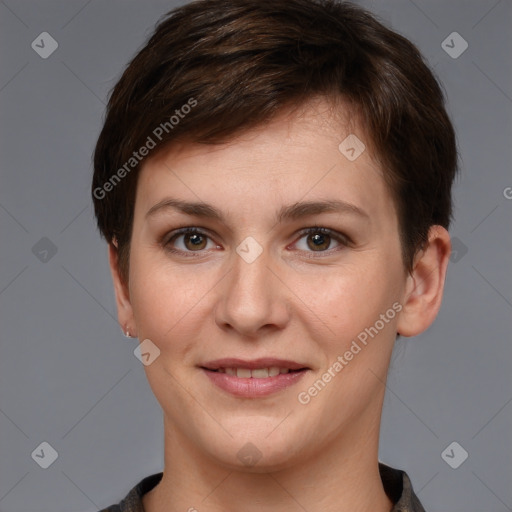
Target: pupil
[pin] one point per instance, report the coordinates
(318, 240)
(195, 239)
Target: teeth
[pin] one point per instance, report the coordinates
(257, 373)
(273, 371)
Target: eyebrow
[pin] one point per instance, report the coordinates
(288, 212)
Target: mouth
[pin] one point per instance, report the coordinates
(251, 379)
(256, 373)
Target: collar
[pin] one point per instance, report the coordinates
(396, 483)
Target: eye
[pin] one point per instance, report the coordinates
(193, 240)
(319, 239)
(190, 240)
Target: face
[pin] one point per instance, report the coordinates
(274, 321)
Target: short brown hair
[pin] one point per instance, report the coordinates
(235, 64)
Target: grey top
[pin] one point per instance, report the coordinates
(396, 483)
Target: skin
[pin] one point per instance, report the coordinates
(294, 302)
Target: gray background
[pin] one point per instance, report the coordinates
(69, 378)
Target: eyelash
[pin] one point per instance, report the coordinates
(342, 239)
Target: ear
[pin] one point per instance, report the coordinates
(425, 284)
(124, 307)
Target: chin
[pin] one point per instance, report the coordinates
(257, 454)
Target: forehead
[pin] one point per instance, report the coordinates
(305, 152)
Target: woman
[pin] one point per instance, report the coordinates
(273, 179)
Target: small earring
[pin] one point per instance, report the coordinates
(127, 334)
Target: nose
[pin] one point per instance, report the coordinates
(253, 297)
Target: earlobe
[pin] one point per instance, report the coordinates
(425, 284)
(124, 307)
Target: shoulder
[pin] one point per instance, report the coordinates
(132, 502)
(398, 487)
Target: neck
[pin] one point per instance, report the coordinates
(342, 477)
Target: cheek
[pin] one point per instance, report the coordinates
(349, 300)
(167, 300)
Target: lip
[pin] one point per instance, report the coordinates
(264, 362)
(251, 387)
